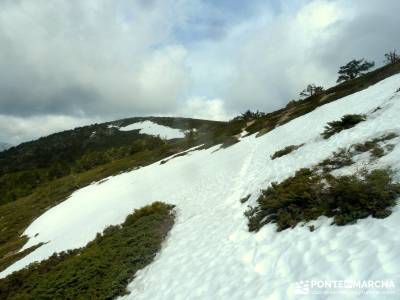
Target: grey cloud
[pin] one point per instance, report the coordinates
(77, 61)
(279, 58)
(89, 58)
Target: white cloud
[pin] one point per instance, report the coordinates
(202, 108)
(318, 15)
(265, 61)
(163, 78)
(276, 57)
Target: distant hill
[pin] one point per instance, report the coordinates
(31, 164)
(4, 146)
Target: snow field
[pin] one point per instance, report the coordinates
(209, 253)
(151, 128)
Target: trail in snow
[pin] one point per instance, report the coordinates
(209, 253)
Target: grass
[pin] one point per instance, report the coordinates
(100, 270)
(309, 194)
(285, 151)
(346, 122)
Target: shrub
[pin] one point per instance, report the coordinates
(377, 152)
(373, 145)
(103, 268)
(309, 194)
(229, 141)
(245, 199)
(356, 198)
(364, 147)
(311, 90)
(286, 203)
(339, 159)
(249, 115)
(391, 57)
(285, 151)
(346, 122)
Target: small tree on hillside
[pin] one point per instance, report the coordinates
(354, 69)
(311, 90)
(191, 136)
(249, 115)
(391, 57)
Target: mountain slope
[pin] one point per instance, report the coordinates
(4, 146)
(210, 253)
(27, 166)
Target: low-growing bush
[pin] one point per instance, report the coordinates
(338, 159)
(355, 198)
(285, 151)
(229, 141)
(310, 194)
(245, 199)
(346, 122)
(373, 145)
(103, 268)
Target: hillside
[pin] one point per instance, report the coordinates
(30, 165)
(4, 146)
(264, 204)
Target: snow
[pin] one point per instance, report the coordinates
(151, 128)
(209, 253)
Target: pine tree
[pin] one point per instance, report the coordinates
(354, 69)
(391, 57)
(311, 90)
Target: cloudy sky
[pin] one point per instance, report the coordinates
(65, 63)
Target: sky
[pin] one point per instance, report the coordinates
(68, 63)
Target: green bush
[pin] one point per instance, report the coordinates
(346, 122)
(249, 115)
(373, 145)
(229, 141)
(354, 198)
(338, 159)
(103, 268)
(285, 151)
(310, 194)
(245, 199)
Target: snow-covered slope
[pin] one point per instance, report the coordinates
(151, 128)
(210, 254)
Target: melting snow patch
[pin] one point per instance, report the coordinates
(151, 128)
